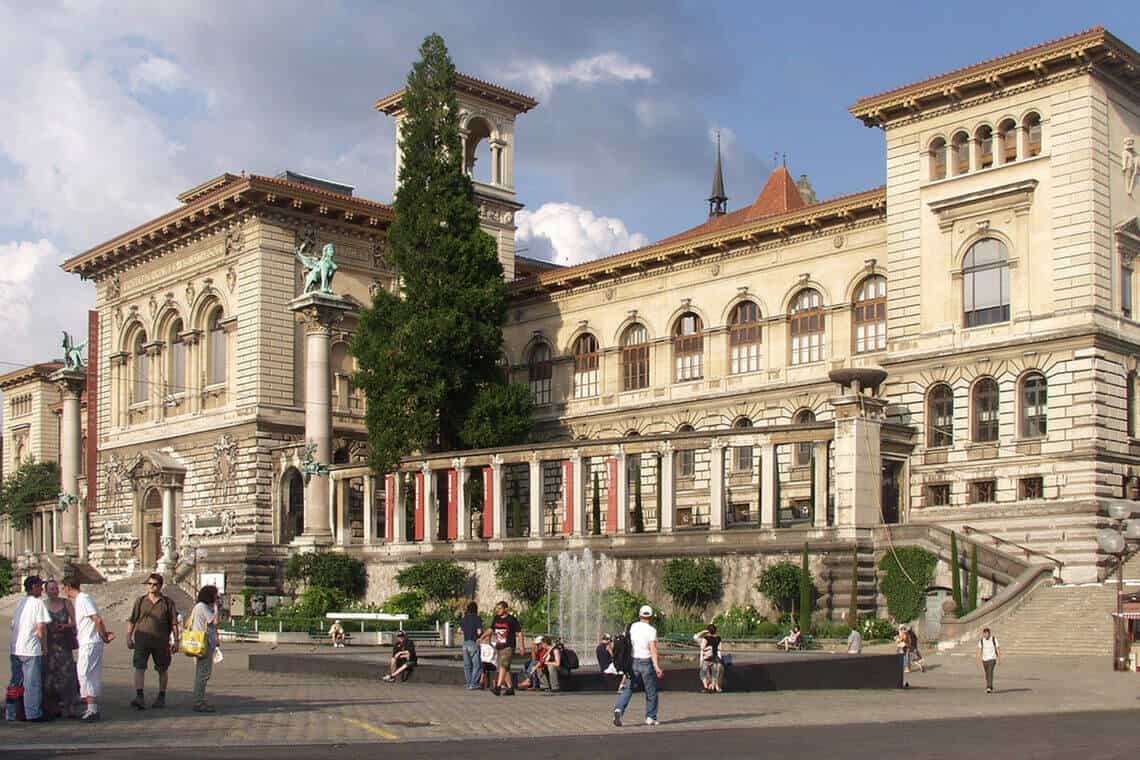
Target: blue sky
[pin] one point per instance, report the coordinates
(112, 109)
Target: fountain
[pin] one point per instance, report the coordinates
(574, 600)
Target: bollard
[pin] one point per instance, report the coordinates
(448, 634)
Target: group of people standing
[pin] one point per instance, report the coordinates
(58, 642)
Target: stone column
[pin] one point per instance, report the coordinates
(819, 484)
(369, 509)
(619, 482)
(452, 504)
(858, 463)
(578, 491)
(343, 531)
(665, 483)
(431, 506)
(499, 516)
(71, 383)
(462, 508)
(769, 469)
(716, 485)
(168, 559)
(399, 509)
(320, 312)
(535, 472)
(1022, 142)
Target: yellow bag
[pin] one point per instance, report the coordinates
(194, 643)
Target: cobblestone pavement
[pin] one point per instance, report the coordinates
(277, 709)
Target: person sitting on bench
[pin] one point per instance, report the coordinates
(336, 634)
(793, 639)
(403, 658)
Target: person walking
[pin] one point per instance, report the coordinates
(912, 650)
(472, 626)
(29, 642)
(646, 664)
(61, 685)
(709, 642)
(93, 636)
(152, 633)
(204, 617)
(505, 634)
(989, 651)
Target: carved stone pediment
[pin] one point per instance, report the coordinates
(155, 468)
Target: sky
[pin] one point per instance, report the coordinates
(112, 109)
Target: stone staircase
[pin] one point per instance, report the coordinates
(835, 580)
(1061, 620)
(114, 598)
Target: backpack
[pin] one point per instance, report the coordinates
(569, 659)
(623, 653)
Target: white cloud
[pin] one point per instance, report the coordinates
(655, 112)
(156, 73)
(18, 264)
(606, 67)
(567, 234)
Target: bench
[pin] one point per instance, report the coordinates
(316, 634)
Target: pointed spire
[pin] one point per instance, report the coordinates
(718, 200)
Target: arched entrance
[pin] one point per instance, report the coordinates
(151, 528)
(292, 505)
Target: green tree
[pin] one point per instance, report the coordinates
(972, 603)
(523, 576)
(438, 579)
(693, 583)
(597, 508)
(32, 483)
(909, 571)
(339, 573)
(806, 588)
(853, 601)
(429, 356)
(955, 577)
(780, 582)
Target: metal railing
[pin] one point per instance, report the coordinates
(1029, 552)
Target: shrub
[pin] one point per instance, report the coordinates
(780, 582)
(620, 608)
(344, 574)
(767, 630)
(739, 622)
(316, 602)
(438, 579)
(972, 603)
(541, 616)
(683, 625)
(909, 571)
(876, 629)
(955, 576)
(410, 603)
(825, 629)
(597, 508)
(523, 576)
(693, 583)
(5, 575)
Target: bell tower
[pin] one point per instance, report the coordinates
(487, 114)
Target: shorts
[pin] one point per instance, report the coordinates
(160, 655)
(89, 668)
(504, 656)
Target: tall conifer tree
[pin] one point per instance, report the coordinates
(428, 355)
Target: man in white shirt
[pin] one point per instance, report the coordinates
(29, 642)
(988, 654)
(646, 665)
(92, 636)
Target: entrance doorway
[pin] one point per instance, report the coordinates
(151, 529)
(892, 470)
(292, 505)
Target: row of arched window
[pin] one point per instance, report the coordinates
(168, 367)
(985, 411)
(806, 330)
(986, 147)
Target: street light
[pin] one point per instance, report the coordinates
(1114, 540)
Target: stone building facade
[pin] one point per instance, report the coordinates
(689, 388)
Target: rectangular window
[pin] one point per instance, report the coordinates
(217, 358)
(1031, 488)
(142, 378)
(1126, 291)
(586, 382)
(686, 463)
(635, 367)
(745, 358)
(742, 459)
(177, 367)
(938, 495)
(983, 491)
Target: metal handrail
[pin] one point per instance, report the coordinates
(968, 529)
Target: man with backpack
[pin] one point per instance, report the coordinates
(988, 654)
(642, 661)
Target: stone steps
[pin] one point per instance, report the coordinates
(1060, 620)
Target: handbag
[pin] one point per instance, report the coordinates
(193, 643)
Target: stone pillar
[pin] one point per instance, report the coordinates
(343, 531)
(716, 485)
(168, 559)
(71, 383)
(320, 312)
(619, 498)
(858, 463)
(431, 506)
(535, 472)
(769, 469)
(369, 509)
(399, 520)
(453, 504)
(462, 508)
(497, 162)
(499, 515)
(665, 484)
(577, 508)
(391, 496)
(819, 484)
(1022, 143)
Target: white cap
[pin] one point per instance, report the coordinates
(537, 639)
(646, 611)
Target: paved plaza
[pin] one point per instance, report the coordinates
(259, 712)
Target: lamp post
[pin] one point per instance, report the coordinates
(1114, 539)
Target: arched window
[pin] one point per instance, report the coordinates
(216, 348)
(804, 450)
(940, 416)
(806, 325)
(176, 369)
(635, 358)
(742, 455)
(985, 283)
(1007, 137)
(960, 149)
(140, 376)
(540, 369)
(938, 158)
(688, 348)
(985, 410)
(871, 315)
(687, 458)
(1032, 125)
(1034, 406)
(586, 366)
(985, 138)
(744, 338)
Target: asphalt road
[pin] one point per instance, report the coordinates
(1087, 736)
